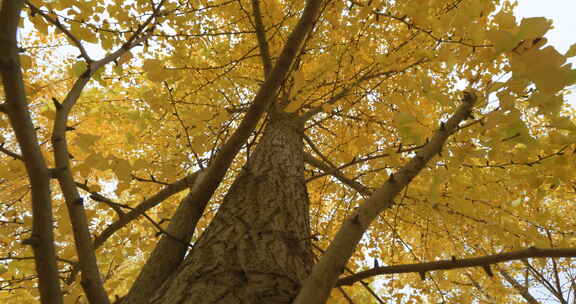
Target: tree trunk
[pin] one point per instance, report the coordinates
(257, 248)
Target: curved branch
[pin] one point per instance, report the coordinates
(144, 206)
(317, 287)
(483, 261)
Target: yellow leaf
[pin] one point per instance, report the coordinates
(25, 62)
(155, 70)
(78, 69)
(140, 164)
(27, 221)
(125, 58)
(535, 27)
(122, 169)
(95, 188)
(572, 51)
(85, 141)
(96, 161)
(503, 41)
(299, 81)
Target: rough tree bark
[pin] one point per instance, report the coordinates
(257, 249)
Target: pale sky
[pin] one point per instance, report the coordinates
(561, 12)
(563, 35)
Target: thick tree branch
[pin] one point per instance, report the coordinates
(184, 221)
(91, 279)
(364, 284)
(484, 261)
(316, 288)
(162, 263)
(328, 169)
(42, 238)
(261, 35)
(139, 210)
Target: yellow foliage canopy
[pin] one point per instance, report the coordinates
(374, 81)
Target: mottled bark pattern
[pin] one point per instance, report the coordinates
(257, 248)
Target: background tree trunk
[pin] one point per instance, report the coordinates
(257, 249)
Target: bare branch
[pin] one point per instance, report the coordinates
(483, 261)
(145, 205)
(328, 169)
(346, 90)
(521, 290)
(10, 153)
(261, 35)
(101, 198)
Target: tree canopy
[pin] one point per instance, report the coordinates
(437, 130)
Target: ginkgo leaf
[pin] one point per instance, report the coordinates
(294, 105)
(78, 69)
(571, 51)
(535, 27)
(503, 40)
(25, 62)
(96, 160)
(122, 169)
(85, 141)
(155, 70)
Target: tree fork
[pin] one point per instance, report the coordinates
(257, 248)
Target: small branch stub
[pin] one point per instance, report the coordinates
(469, 97)
(488, 270)
(33, 241)
(422, 275)
(55, 172)
(56, 103)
